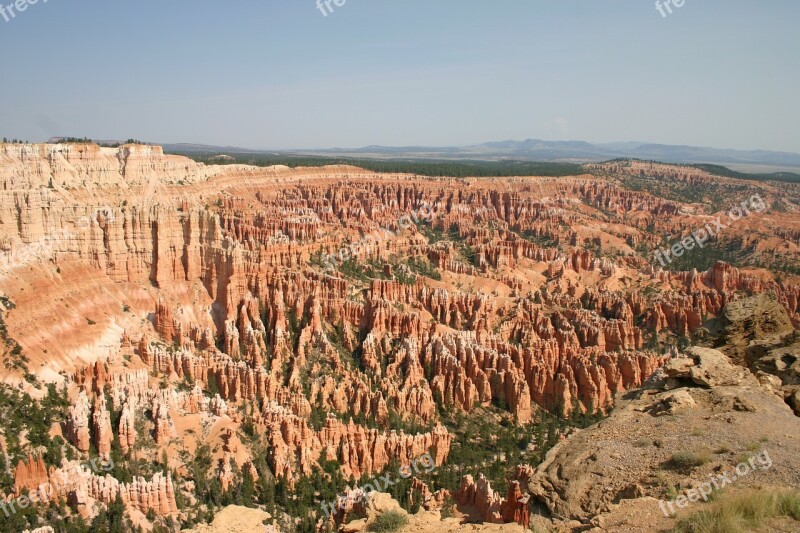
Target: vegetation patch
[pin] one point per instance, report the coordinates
(421, 167)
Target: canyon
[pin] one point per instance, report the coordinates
(188, 318)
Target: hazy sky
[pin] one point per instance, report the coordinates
(279, 74)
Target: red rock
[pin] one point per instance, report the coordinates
(127, 427)
(30, 474)
(77, 424)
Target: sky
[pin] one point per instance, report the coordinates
(278, 74)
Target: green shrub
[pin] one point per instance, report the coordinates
(685, 460)
(390, 521)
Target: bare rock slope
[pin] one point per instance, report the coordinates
(700, 416)
(758, 332)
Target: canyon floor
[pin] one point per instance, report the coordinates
(230, 347)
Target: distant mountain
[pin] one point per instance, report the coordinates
(579, 151)
(694, 154)
(540, 150)
(205, 148)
